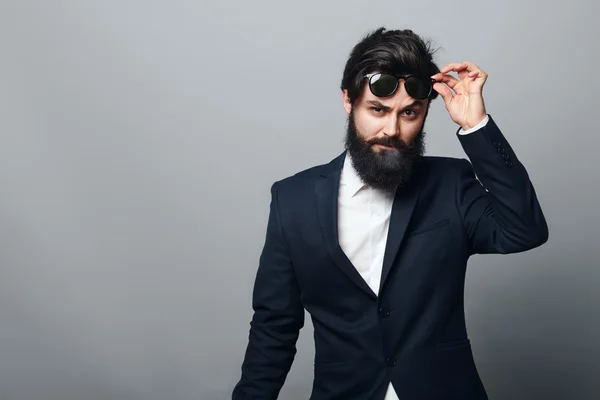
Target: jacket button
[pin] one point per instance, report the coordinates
(390, 361)
(384, 312)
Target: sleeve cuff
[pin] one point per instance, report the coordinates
(476, 127)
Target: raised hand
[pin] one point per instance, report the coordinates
(463, 96)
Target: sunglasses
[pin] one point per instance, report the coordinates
(385, 85)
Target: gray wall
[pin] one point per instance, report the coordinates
(138, 142)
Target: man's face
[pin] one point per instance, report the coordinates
(385, 136)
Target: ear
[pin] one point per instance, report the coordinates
(346, 101)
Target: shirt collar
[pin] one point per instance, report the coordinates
(350, 179)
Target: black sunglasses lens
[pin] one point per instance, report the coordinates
(418, 88)
(383, 85)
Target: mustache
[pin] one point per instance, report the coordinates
(390, 141)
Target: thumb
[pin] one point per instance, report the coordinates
(444, 91)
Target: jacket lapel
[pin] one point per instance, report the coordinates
(402, 210)
(327, 188)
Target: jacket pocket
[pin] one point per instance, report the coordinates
(327, 364)
(453, 344)
(438, 225)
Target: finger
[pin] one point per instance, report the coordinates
(466, 70)
(447, 79)
(473, 74)
(470, 66)
(445, 92)
(478, 77)
(471, 69)
(474, 71)
(452, 67)
(464, 73)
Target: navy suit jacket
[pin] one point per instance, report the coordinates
(413, 333)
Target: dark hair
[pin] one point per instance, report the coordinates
(396, 52)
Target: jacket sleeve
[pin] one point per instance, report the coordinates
(277, 319)
(497, 201)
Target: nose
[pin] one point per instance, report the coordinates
(391, 125)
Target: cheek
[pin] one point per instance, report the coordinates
(369, 127)
(416, 126)
(409, 129)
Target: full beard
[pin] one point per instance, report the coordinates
(386, 169)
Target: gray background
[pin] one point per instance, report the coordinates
(138, 142)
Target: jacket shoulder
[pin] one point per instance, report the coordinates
(440, 165)
(306, 176)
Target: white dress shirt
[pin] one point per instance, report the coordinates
(363, 222)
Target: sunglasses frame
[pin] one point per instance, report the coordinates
(404, 77)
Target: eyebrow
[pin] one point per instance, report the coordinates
(379, 104)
